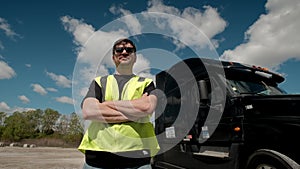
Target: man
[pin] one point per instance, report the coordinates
(120, 106)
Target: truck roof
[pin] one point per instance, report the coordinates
(196, 63)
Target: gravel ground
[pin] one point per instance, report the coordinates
(40, 158)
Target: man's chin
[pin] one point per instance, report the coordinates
(122, 62)
(125, 60)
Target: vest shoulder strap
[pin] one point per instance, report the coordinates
(97, 80)
(101, 81)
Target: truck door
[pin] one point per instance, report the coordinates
(208, 140)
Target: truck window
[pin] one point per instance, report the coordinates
(252, 87)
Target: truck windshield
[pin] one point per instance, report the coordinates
(258, 88)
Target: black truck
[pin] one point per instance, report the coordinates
(225, 115)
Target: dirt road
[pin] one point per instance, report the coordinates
(40, 158)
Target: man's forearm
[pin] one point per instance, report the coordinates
(137, 108)
(94, 110)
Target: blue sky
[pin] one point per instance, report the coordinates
(50, 50)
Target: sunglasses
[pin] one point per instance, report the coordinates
(128, 49)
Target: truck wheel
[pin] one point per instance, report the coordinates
(267, 160)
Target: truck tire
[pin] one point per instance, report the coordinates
(269, 159)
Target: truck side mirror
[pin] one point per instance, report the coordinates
(203, 90)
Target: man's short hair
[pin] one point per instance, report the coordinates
(123, 40)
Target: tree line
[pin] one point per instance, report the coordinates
(37, 124)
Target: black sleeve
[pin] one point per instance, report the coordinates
(94, 91)
(150, 89)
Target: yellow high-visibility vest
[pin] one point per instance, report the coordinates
(126, 136)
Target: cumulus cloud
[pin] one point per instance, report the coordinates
(142, 65)
(39, 89)
(6, 72)
(64, 99)
(4, 107)
(80, 30)
(4, 26)
(273, 38)
(209, 22)
(7, 109)
(131, 21)
(52, 89)
(24, 99)
(82, 92)
(60, 80)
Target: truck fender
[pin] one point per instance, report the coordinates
(267, 157)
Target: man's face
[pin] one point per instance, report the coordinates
(124, 55)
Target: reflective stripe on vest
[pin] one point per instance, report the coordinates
(120, 137)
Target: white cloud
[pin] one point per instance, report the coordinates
(209, 22)
(39, 89)
(132, 22)
(24, 99)
(60, 80)
(6, 72)
(83, 91)
(273, 38)
(4, 107)
(52, 89)
(4, 26)
(65, 99)
(81, 31)
(158, 6)
(142, 65)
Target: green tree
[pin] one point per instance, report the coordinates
(17, 127)
(63, 125)
(3, 115)
(49, 120)
(2, 118)
(75, 126)
(34, 119)
(74, 130)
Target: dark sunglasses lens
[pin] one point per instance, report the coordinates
(120, 50)
(129, 50)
